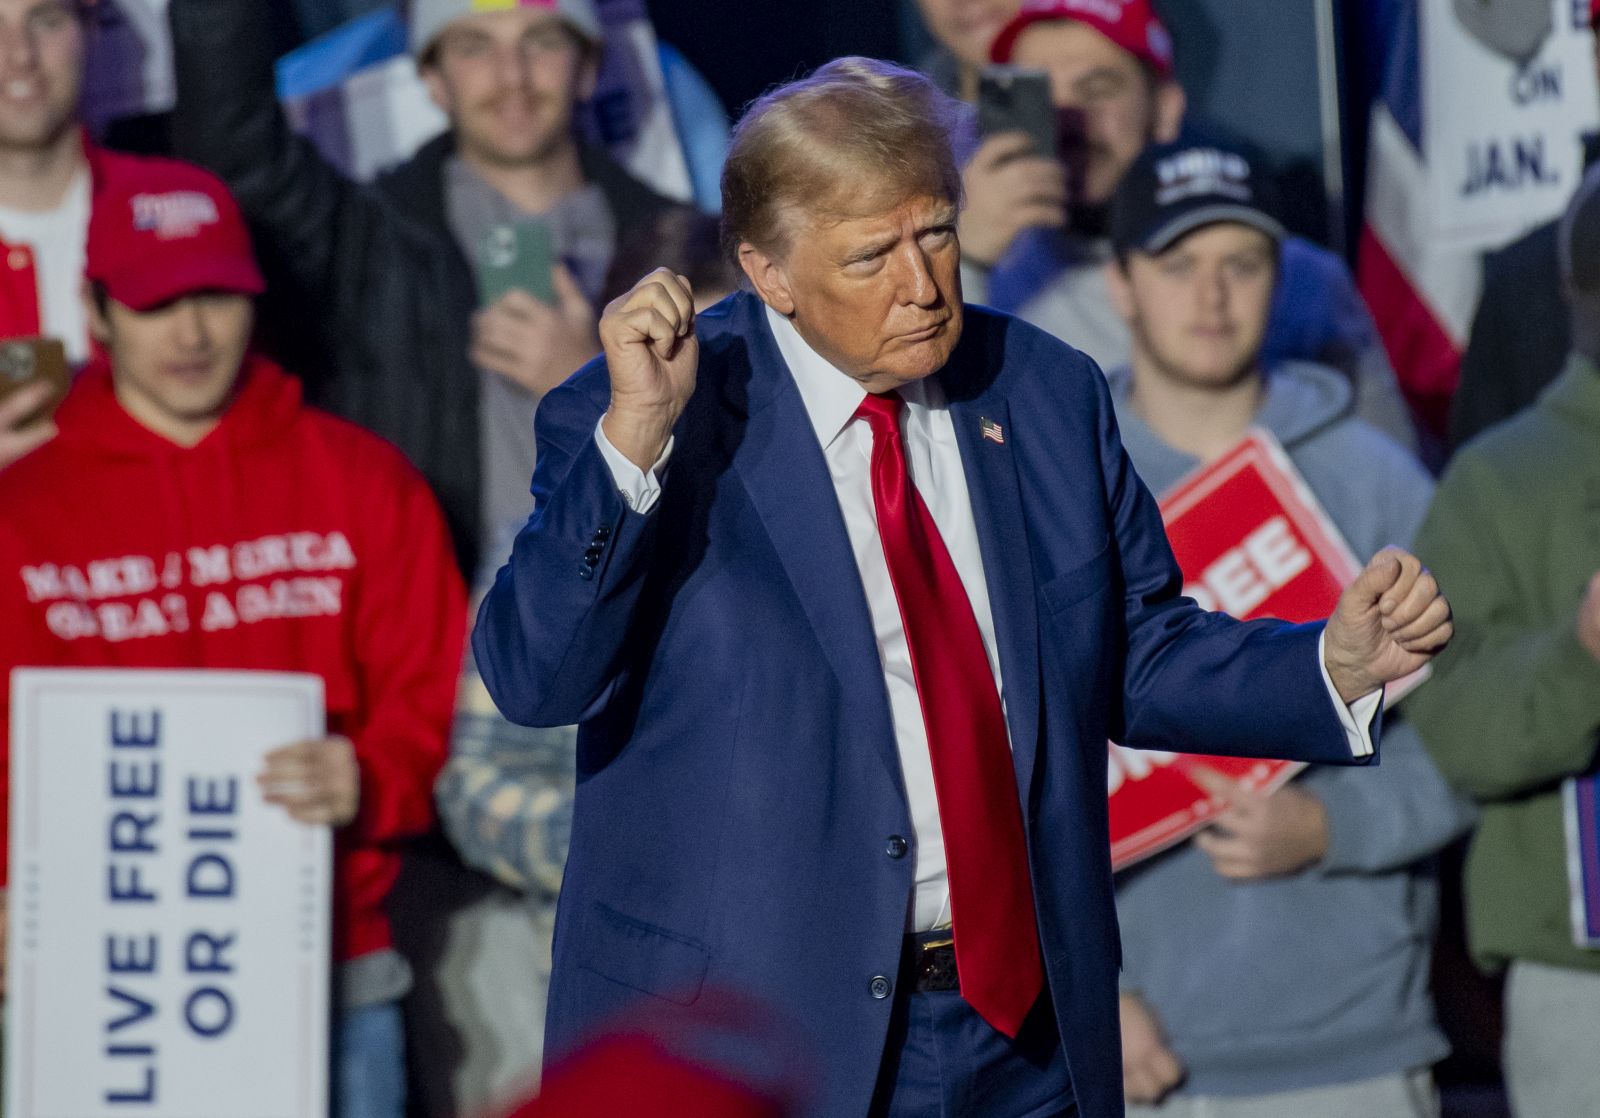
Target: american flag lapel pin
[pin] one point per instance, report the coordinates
(992, 430)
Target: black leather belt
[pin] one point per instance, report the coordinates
(931, 957)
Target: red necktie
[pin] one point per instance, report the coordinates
(991, 897)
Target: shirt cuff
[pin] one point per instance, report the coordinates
(640, 490)
(1356, 718)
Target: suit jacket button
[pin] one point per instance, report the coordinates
(880, 987)
(895, 847)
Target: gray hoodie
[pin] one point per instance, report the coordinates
(1321, 977)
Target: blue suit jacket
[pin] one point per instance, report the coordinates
(737, 770)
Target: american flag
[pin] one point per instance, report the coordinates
(1448, 87)
(992, 430)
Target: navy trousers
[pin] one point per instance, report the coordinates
(944, 1061)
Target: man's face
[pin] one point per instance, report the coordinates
(878, 296)
(41, 71)
(1122, 110)
(1199, 310)
(175, 366)
(509, 82)
(966, 28)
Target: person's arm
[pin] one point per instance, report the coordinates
(551, 633)
(410, 623)
(1384, 821)
(1485, 395)
(505, 795)
(227, 118)
(1513, 706)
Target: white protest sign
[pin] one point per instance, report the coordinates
(1509, 91)
(168, 929)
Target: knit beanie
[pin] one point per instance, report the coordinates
(430, 17)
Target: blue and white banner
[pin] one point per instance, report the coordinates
(168, 929)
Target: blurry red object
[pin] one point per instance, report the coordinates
(633, 1075)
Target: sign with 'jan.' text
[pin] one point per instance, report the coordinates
(168, 929)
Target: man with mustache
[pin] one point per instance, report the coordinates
(1034, 241)
(847, 584)
(386, 317)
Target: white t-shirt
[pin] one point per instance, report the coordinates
(57, 238)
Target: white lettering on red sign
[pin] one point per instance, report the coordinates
(1243, 577)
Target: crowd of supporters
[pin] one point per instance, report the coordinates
(263, 346)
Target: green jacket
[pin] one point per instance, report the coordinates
(1514, 706)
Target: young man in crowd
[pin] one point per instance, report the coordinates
(1034, 242)
(1515, 708)
(1277, 963)
(183, 449)
(383, 276)
(49, 177)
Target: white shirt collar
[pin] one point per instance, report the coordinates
(831, 397)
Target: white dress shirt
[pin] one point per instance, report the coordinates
(934, 459)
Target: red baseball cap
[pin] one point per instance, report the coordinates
(1131, 24)
(161, 230)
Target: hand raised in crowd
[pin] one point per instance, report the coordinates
(1008, 189)
(1389, 622)
(532, 343)
(314, 781)
(1589, 618)
(1261, 834)
(16, 441)
(1149, 1068)
(652, 354)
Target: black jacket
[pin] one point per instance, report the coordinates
(371, 297)
(1521, 334)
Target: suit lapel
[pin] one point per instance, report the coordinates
(787, 479)
(996, 494)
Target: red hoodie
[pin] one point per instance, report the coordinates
(286, 540)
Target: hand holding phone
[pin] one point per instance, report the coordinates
(34, 378)
(1011, 99)
(1014, 181)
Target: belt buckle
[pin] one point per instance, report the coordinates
(936, 965)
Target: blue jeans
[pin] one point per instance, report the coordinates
(369, 1063)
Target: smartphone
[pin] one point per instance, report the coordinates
(1011, 99)
(517, 257)
(25, 361)
(1072, 148)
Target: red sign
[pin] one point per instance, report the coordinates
(1252, 542)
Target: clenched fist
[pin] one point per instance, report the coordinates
(1389, 622)
(652, 355)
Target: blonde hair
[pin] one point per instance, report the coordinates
(853, 139)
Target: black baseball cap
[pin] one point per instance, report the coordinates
(1173, 189)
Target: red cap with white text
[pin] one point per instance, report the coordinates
(165, 229)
